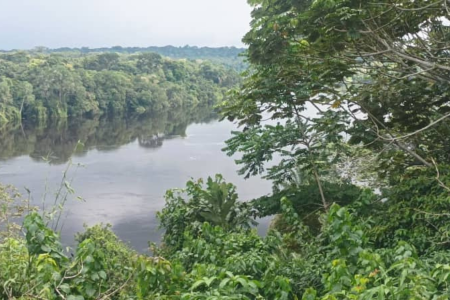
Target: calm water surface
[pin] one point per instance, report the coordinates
(126, 168)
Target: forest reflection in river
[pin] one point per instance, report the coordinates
(58, 141)
(126, 166)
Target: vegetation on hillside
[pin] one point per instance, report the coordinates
(361, 188)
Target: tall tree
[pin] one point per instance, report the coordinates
(22, 92)
(384, 67)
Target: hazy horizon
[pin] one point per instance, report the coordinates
(109, 47)
(135, 23)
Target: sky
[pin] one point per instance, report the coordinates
(25, 24)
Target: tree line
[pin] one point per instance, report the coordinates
(188, 52)
(227, 56)
(37, 87)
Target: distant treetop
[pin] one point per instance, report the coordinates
(227, 56)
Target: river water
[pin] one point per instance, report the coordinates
(121, 170)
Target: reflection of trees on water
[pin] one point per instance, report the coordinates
(58, 141)
(153, 141)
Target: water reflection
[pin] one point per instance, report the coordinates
(127, 165)
(58, 141)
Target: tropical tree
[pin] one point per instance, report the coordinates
(22, 93)
(216, 204)
(371, 71)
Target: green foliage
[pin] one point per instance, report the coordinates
(57, 86)
(12, 208)
(216, 203)
(342, 261)
(227, 56)
(102, 267)
(325, 76)
(417, 206)
(376, 65)
(305, 199)
(41, 240)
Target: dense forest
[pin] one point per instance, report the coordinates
(37, 87)
(358, 94)
(227, 56)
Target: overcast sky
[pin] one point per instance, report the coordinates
(25, 24)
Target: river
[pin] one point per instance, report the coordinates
(122, 168)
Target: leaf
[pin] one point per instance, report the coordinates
(242, 281)
(224, 282)
(197, 284)
(90, 291)
(45, 248)
(65, 288)
(209, 281)
(102, 274)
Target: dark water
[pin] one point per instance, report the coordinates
(127, 165)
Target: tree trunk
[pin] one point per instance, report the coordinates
(319, 184)
(21, 106)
